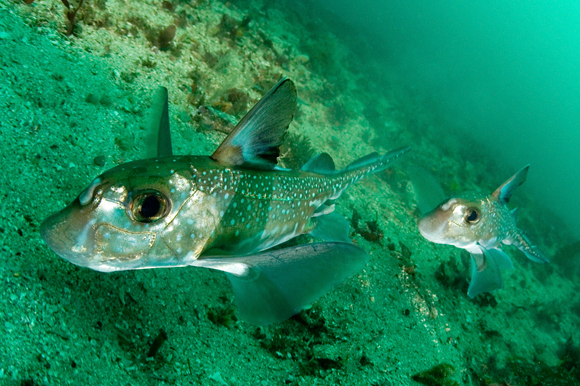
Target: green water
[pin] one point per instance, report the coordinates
(74, 106)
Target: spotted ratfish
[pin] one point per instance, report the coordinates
(478, 223)
(223, 212)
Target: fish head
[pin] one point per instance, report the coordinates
(143, 214)
(457, 221)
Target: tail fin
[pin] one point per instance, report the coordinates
(373, 163)
(533, 252)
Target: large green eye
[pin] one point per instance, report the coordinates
(149, 206)
(471, 216)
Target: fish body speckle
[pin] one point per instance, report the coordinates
(264, 209)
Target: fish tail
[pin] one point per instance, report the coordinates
(532, 252)
(373, 163)
(362, 167)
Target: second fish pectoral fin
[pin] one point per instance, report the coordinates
(486, 276)
(272, 286)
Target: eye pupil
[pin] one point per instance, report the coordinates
(471, 216)
(150, 207)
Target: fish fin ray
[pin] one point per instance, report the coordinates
(254, 143)
(505, 191)
(272, 286)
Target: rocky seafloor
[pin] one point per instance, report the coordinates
(75, 92)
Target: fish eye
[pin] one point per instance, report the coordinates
(148, 206)
(471, 216)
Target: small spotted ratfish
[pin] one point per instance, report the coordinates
(223, 212)
(478, 223)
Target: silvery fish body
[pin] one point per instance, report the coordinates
(480, 224)
(221, 212)
(166, 212)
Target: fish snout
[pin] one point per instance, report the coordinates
(100, 238)
(69, 233)
(432, 227)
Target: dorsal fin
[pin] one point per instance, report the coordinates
(321, 163)
(505, 191)
(256, 139)
(158, 141)
(428, 192)
(164, 139)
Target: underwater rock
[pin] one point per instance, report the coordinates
(440, 375)
(100, 160)
(166, 37)
(157, 343)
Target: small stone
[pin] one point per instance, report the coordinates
(9, 326)
(218, 378)
(100, 160)
(302, 59)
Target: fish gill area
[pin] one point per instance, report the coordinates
(76, 80)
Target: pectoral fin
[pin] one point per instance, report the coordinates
(272, 286)
(486, 271)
